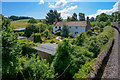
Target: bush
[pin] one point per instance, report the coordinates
(58, 33)
(32, 20)
(70, 35)
(65, 31)
(37, 38)
(35, 69)
(42, 27)
(80, 39)
(30, 29)
(52, 41)
(89, 33)
(81, 55)
(27, 47)
(46, 33)
(21, 33)
(63, 58)
(84, 70)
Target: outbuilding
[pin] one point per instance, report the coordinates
(46, 50)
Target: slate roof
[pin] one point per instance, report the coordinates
(72, 23)
(20, 29)
(47, 48)
(21, 37)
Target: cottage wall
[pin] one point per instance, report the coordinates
(72, 29)
(75, 29)
(55, 28)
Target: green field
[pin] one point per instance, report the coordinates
(22, 23)
(23, 20)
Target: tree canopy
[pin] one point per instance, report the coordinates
(19, 17)
(81, 17)
(32, 20)
(65, 31)
(52, 16)
(30, 29)
(74, 17)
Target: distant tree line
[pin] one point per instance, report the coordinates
(74, 17)
(114, 17)
(13, 18)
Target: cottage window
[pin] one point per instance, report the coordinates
(59, 27)
(76, 32)
(55, 26)
(70, 27)
(76, 27)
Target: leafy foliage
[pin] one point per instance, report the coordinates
(19, 17)
(27, 47)
(58, 33)
(32, 20)
(35, 69)
(46, 33)
(81, 17)
(65, 31)
(42, 27)
(80, 39)
(10, 51)
(74, 17)
(30, 29)
(84, 70)
(52, 16)
(63, 57)
(37, 38)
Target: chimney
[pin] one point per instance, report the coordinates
(87, 18)
(88, 27)
(56, 20)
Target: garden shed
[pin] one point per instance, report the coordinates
(46, 50)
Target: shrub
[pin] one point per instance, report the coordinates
(70, 35)
(52, 41)
(27, 47)
(30, 29)
(42, 27)
(81, 55)
(32, 20)
(46, 33)
(37, 38)
(65, 31)
(80, 39)
(58, 33)
(89, 33)
(35, 69)
(84, 70)
(63, 58)
(21, 33)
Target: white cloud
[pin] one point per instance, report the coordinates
(65, 11)
(114, 9)
(58, 4)
(41, 2)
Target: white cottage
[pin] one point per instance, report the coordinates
(75, 27)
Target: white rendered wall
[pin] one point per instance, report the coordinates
(72, 29)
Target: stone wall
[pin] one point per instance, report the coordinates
(99, 63)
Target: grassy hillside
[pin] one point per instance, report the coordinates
(22, 23)
(23, 20)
